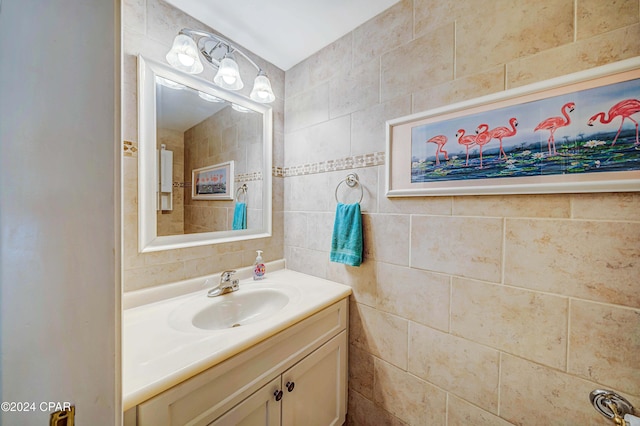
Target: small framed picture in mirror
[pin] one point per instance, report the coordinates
(213, 182)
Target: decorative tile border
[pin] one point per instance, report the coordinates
(354, 162)
(246, 177)
(130, 149)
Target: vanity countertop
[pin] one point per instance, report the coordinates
(157, 355)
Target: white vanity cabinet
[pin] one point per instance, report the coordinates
(306, 362)
(316, 396)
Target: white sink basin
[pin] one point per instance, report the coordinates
(240, 308)
(243, 307)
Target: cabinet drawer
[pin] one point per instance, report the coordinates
(203, 398)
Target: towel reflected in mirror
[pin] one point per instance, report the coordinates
(240, 216)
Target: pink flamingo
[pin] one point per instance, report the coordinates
(554, 123)
(624, 109)
(504, 132)
(440, 140)
(468, 141)
(483, 137)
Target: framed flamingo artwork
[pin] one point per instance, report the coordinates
(213, 182)
(576, 133)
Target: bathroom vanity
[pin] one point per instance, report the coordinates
(286, 366)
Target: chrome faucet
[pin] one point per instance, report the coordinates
(226, 285)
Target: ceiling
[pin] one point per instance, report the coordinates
(284, 32)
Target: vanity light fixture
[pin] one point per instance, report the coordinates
(219, 53)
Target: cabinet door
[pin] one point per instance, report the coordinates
(260, 409)
(318, 386)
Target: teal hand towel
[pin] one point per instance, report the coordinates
(346, 243)
(240, 216)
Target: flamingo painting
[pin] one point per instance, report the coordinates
(554, 123)
(483, 137)
(466, 140)
(503, 141)
(439, 140)
(504, 132)
(624, 109)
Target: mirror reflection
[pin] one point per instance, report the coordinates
(210, 156)
(204, 172)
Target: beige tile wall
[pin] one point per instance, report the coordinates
(485, 310)
(149, 27)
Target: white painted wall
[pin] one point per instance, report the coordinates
(59, 207)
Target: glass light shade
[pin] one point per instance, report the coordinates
(262, 90)
(228, 75)
(184, 55)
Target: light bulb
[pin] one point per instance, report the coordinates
(185, 60)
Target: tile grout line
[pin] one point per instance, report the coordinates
(504, 251)
(408, 342)
(455, 48)
(409, 262)
(568, 345)
(450, 302)
(575, 20)
(571, 208)
(505, 83)
(413, 20)
(380, 79)
(446, 408)
(499, 382)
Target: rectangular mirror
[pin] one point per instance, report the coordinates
(189, 129)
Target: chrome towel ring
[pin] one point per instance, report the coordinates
(242, 191)
(351, 180)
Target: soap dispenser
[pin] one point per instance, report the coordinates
(258, 267)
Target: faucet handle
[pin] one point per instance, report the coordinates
(226, 275)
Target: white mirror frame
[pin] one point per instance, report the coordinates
(148, 239)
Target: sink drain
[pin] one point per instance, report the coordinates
(235, 325)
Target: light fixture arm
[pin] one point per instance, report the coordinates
(203, 36)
